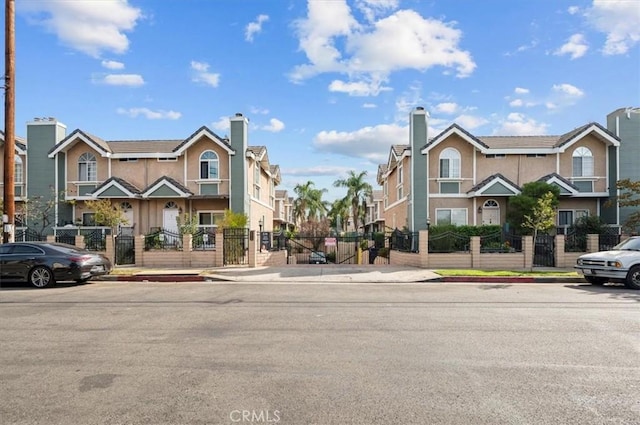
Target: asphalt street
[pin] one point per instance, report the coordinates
(341, 353)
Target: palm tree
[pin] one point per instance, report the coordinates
(308, 203)
(358, 191)
(339, 214)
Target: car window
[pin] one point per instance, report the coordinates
(629, 244)
(25, 249)
(5, 249)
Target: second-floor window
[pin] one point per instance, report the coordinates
(582, 162)
(18, 170)
(209, 165)
(87, 167)
(256, 180)
(449, 164)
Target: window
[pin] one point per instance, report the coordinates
(88, 219)
(385, 187)
(128, 159)
(582, 162)
(495, 155)
(455, 216)
(450, 164)
(209, 218)
(567, 217)
(209, 165)
(167, 159)
(400, 173)
(256, 180)
(87, 168)
(125, 206)
(536, 155)
(18, 170)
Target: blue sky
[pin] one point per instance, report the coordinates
(327, 85)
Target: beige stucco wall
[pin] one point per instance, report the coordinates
(72, 156)
(466, 163)
(193, 165)
(520, 169)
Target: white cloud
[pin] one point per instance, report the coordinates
(369, 105)
(374, 8)
(517, 124)
(88, 26)
(335, 42)
(275, 126)
(259, 111)
(371, 143)
(619, 20)
(576, 46)
(112, 64)
(320, 170)
(358, 88)
(521, 90)
(516, 103)
(202, 74)
(568, 90)
(222, 124)
(133, 80)
(572, 10)
(149, 114)
(446, 108)
(470, 122)
(255, 27)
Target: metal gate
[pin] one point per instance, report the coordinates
(544, 251)
(235, 246)
(336, 249)
(125, 250)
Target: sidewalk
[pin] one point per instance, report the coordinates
(315, 274)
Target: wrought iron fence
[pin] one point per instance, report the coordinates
(162, 239)
(607, 241)
(95, 240)
(204, 239)
(575, 242)
(500, 242)
(405, 241)
(25, 234)
(66, 235)
(447, 242)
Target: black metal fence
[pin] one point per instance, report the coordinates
(500, 242)
(236, 245)
(204, 239)
(404, 241)
(575, 242)
(448, 242)
(162, 239)
(25, 234)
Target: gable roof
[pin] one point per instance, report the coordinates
(495, 184)
(95, 142)
(275, 173)
(166, 187)
(382, 170)
(116, 187)
(139, 148)
(19, 143)
(448, 132)
(566, 187)
(594, 128)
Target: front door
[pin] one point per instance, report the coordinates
(490, 212)
(169, 219)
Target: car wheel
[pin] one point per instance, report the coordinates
(633, 278)
(599, 281)
(41, 276)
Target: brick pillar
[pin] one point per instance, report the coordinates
(560, 259)
(423, 248)
(527, 251)
(475, 252)
(79, 242)
(593, 243)
(253, 247)
(110, 249)
(218, 254)
(187, 247)
(51, 238)
(139, 248)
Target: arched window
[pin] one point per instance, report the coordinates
(18, 170)
(450, 164)
(170, 205)
(582, 162)
(87, 168)
(125, 206)
(209, 165)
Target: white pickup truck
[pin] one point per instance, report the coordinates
(620, 264)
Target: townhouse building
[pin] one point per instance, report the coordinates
(153, 181)
(459, 178)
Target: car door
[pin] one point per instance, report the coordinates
(5, 263)
(20, 260)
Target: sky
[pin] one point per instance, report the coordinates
(327, 85)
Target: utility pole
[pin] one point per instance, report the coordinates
(8, 216)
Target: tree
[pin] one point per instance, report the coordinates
(38, 211)
(316, 231)
(107, 214)
(358, 190)
(542, 216)
(629, 197)
(523, 204)
(339, 214)
(232, 220)
(308, 203)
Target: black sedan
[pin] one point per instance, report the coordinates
(44, 263)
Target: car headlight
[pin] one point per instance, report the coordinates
(616, 264)
(579, 261)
